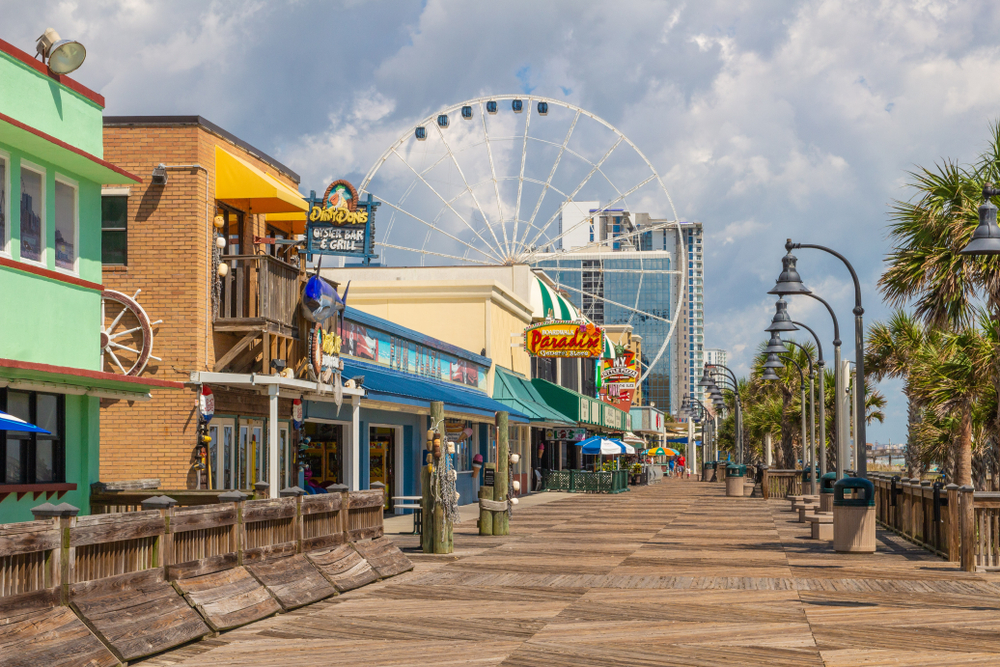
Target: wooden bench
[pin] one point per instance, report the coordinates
(137, 614)
(35, 631)
(229, 598)
(384, 557)
(343, 567)
(294, 581)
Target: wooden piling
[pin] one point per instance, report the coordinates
(501, 522)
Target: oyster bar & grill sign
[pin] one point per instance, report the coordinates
(340, 223)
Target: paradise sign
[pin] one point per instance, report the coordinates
(564, 339)
(341, 223)
(618, 379)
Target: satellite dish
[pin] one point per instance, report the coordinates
(63, 55)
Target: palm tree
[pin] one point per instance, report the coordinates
(890, 352)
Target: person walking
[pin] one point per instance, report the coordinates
(680, 466)
(672, 462)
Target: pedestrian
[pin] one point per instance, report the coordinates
(671, 463)
(680, 465)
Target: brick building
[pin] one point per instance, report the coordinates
(202, 184)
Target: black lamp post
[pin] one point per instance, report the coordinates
(729, 375)
(788, 283)
(812, 420)
(802, 401)
(820, 364)
(986, 238)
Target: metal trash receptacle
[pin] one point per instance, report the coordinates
(734, 480)
(854, 516)
(826, 483)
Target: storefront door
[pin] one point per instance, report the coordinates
(324, 455)
(250, 454)
(221, 453)
(381, 459)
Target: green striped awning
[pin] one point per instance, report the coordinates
(545, 299)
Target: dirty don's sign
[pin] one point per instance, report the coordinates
(340, 223)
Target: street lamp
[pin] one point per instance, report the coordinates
(729, 375)
(802, 402)
(986, 238)
(789, 282)
(839, 389)
(781, 321)
(812, 419)
(820, 364)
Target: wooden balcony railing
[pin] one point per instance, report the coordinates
(258, 289)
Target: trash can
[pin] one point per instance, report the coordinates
(734, 480)
(707, 471)
(854, 516)
(826, 483)
(806, 485)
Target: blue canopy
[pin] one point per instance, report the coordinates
(598, 445)
(12, 423)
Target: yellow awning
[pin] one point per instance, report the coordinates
(290, 223)
(241, 184)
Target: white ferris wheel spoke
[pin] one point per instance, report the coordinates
(520, 179)
(548, 181)
(438, 195)
(496, 185)
(577, 269)
(421, 251)
(468, 188)
(438, 229)
(579, 187)
(601, 210)
(613, 303)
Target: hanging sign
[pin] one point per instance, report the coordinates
(341, 224)
(571, 434)
(206, 403)
(564, 339)
(618, 380)
(297, 413)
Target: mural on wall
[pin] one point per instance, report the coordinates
(384, 349)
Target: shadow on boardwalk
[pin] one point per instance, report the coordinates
(674, 574)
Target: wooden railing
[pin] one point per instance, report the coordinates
(110, 502)
(258, 287)
(780, 483)
(52, 554)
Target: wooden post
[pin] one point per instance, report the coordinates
(163, 548)
(968, 521)
(954, 538)
(440, 452)
(237, 538)
(427, 506)
(764, 482)
(297, 523)
(501, 522)
(486, 493)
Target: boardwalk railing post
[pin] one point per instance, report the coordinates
(163, 547)
(765, 480)
(63, 515)
(237, 537)
(954, 524)
(297, 493)
(968, 522)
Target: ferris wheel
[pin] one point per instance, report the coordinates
(516, 179)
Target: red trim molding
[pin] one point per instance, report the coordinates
(73, 149)
(92, 375)
(48, 273)
(35, 64)
(49, 489)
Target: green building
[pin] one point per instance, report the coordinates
(51, 374)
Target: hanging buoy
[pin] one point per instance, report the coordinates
(219, 222)
(516, 485)
(451, 447)
(514, 458)
(223, 269)
(220, 242)
(513, 501)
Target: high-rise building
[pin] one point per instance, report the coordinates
(616, 273)
(718, 357)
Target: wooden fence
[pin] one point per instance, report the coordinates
(780, 483)
(137, 565)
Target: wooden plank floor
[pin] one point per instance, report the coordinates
(673, 574)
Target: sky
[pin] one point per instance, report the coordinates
(766, 120)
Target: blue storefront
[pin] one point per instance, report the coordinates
(403, 371)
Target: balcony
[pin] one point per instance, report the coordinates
(258, 298)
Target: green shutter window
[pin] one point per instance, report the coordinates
(114, 230)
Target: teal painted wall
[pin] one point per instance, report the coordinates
(35, 99)
(47, 320)
(83, 434)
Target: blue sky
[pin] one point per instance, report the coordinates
(766, 120)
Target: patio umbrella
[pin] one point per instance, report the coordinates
(12, 423)
(597, 445)
(662, 451)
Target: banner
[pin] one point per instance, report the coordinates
(618, 380)
(564, 339)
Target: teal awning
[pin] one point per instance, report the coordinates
(517, 392)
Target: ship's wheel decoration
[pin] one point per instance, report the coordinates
(126, 334)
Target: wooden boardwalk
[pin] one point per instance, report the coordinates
(673, 574)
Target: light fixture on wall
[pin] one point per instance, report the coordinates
(160, 174)
(63, 55)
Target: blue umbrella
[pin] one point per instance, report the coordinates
(12, 423)
(598, 445)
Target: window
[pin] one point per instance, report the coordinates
(4, 198)
(34, 458)
(67, 221)
(114, 230)
(32, 214)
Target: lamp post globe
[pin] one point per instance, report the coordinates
(789, 281)
(775, 345)
(986, 238)
(769, 374)
(773, 362)
(781, 321)
(706, 379)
